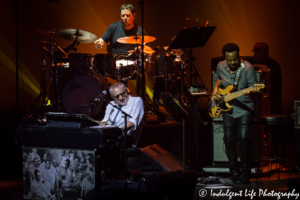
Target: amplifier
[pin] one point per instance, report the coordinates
(219, 154)
(297, 114)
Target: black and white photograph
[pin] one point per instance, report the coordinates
(57, 173)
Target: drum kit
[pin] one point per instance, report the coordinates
(77, 79)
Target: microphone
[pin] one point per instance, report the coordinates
(100, 97)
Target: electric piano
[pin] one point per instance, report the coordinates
(68, 131)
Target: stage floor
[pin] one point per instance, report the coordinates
(12, 189)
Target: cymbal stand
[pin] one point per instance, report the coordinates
(53, 73)
(138, 71)
(182, 76)
(143, 82)
(167, 75)
(194, 72)
(43, 77)
(156, 87)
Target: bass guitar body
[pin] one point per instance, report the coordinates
(223, 105)
(218, 108)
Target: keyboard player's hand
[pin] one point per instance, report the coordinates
(103, 123)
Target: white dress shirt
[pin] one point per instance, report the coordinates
(134, 108)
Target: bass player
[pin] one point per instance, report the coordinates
(241, 74)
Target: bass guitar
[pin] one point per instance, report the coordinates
(223, 105)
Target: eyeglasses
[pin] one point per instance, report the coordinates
(122, 94)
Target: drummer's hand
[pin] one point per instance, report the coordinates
(99, 43)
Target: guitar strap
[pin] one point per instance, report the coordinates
(237, 77)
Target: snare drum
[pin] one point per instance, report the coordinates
(124, 67)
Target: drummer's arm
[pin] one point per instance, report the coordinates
(99, 43)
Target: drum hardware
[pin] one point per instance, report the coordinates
(42, 98)
(140, 82)
(45, 33)
(61, 61)
(147, 49)
(125, 68)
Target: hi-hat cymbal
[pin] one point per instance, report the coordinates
(45, 43)
(45, 33)
(82, 36)
(146, 50)
(136, 39)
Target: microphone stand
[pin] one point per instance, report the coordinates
(94, 103)
(89, 107)
(125, 134)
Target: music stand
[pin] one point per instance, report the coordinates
(183, 113)
(191, 38)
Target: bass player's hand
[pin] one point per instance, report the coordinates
(216, 95)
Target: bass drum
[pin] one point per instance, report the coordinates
(82, 90)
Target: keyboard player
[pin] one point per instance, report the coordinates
(129, 104)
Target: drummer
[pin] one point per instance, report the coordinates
(123, 28)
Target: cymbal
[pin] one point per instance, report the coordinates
(146, 50)
(136, 39)
(83, 36)
(45, 43)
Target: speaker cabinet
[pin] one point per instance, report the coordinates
(219, 154)
(154, 159)
(297, 114)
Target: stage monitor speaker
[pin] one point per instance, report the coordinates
(160, 185)
(219, 155)
(154, 159)
(172, 185)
